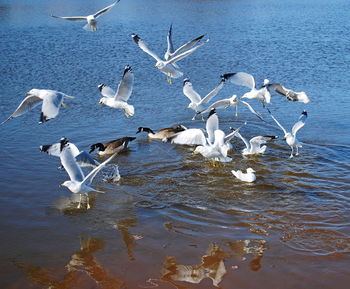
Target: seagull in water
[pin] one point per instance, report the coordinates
(51, 103)
(90, 19)
(254, 146)
(169, 66)
(248, 177)
(288, 93)
(196, 101)
(78, 183)
(291, 137)
(247, 80)
(119, 99)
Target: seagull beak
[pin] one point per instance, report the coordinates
(195, 152)
(61, 185)
(27, 93)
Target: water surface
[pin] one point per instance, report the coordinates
(175, 220)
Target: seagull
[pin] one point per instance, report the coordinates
(51, 102)
(288, 93)
(111, 147)
(168, 66)
(163, 134)
(247, 80)
(290, 137)
(254, 146)
(81, 157)
(196, 101)
(232, 101)
(90, 19)
(78, 183)
(119, 99)
(245, 177)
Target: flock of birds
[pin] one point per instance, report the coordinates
(212, 143)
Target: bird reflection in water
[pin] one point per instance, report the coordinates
(128, 238)
(212, 266)
(80, 271)
(240, 248)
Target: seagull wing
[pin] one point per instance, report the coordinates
(252, 110)
(190, 93)
(71, 18)
(125, 86)
(85, 160)
(70, 165)
(89, 178)
(241, 78)
(170, 48)
(183, 54)
(27, 104)
(187, 45)
(51, 105)
(52, 149)
(144, 47)
(106, 91)
(247, 144)
(211, 126)
(191, 136)
(288, 93)
(300, 123)
(217, 104)
(214, 92)
(276, 121)
(104, 10)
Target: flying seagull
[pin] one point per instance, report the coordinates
(51, 102)
(291, 137)
(288, 93)
(247, 80)
(232, 101)
(90, 19)
(78, 183)
(197, 101)
(119, 99)
(255, 145)
(167, 66)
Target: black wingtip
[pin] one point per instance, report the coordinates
(199, 37)
(226, 76)
(127, 69)
(136, 38)
(304, 113)
(101, 86)
(63, 143)
(212, 111)
(43, 118)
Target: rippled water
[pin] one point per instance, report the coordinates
(175, 220)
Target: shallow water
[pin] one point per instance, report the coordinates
(175, 220)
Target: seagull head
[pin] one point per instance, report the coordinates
(66, 184)
(33, 91)
(266, 81)
(233, 99)
(250, 170)
(102, 100)
(160, 64)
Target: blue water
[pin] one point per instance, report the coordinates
(289, 229)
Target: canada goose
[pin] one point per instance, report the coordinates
(163, 134)
(113, 146)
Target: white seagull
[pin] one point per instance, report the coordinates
(90, 19)
(291, 137)
(255, 145)
(81, 157)
(119, 99)
(288, 93)
(245, 177)
(51, 102)
(196, 101)
(168, 66)
(232, 101)
(78, 183)
(247, 80)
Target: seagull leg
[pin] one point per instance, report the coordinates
(236, 114)
(194, 117)
(79, 205)
(88, 202)
(64, 104)
(297, 153)
(169, 79)
(291, 155)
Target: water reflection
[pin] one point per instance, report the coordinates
(128, 238)
(212, 266)
(81, 269)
